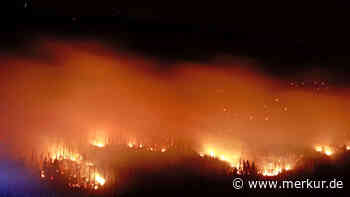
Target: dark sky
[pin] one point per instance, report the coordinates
(288, 38)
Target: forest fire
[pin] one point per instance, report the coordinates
(70, 168)
(98, 144)
(99, 140)
(273, 169)
(61, 153)
(74, 169)
(146, 147)
(327, 150)
(246, 126)
(270, 169)
(231, 159)
(269, 166)
(64, 163)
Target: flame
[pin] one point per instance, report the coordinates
(130, 145)
(99, 139)
(288, 167)
(212, 153)
(318, 148)
(223, 158)
(271, 170)
(98, 144)
(347, 147)
(99, 179)
(270, 166)
(42, 174)
(327, 150)
(60, 153)
(231, 159)
(147, 147)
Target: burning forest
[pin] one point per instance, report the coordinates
(83, 118)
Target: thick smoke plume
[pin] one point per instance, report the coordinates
(73, 90)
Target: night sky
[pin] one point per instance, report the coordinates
(287, 38)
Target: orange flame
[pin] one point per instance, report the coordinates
(327, 150)
(99, 179)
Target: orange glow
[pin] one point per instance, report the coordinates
(229, 157)
(163, 150)
(271, 170)
(60, 153)
(318, 148)
(63, 153)
(98, 139)
(98, 144)
(42, 175)
(212, 153)
(266, 166)
(99, 179)
(84, 86)
(130, 145)
(287, 167)
(223, 158)
(327, 150)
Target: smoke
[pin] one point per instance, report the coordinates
(74, 89)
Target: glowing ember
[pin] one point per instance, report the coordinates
(68, 164)
(99, 139)
(99, 179)
(271, 170)
(223, 158)
(98, 144)
(130, 145)
(318, 148)
(328, 151)
(61, 153)
(212, 153)
(42, 174)
(287, 167)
